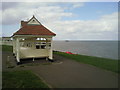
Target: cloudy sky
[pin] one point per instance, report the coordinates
(69, 20)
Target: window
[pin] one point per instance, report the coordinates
(40, 38)
(28, 45)
(43, 38)
(49, 45)
(22, 44)
(43, 46)
(40, 45)
(37, 46)
(23, 39)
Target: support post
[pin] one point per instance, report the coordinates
(33, 59)
(15, 50)
(13, 46)
(18, 50)
(50, 52)
(46, 59)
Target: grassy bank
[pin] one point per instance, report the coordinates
(108, 64)
(6, 48)
(21, 79)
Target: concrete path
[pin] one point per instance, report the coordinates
(65, 73)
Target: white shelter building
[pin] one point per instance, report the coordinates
(32, 40)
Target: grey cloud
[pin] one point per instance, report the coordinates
(49, 11)
(6, 5)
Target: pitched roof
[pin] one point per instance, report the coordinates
(34, 30)
(29, 29)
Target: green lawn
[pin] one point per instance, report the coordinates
(21, 79)
(108, 64)
(6, 48)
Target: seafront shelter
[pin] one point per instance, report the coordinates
(32, 40)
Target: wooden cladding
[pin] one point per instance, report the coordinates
(35, 40)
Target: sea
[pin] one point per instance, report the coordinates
(105, 49)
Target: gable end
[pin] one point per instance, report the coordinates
(33, 21)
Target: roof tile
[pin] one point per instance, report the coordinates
(34, 30)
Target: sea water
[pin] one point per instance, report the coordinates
(106, 49)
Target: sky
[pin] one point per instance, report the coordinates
(69, 20)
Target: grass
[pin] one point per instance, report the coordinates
(104, 63)
(6, 48)
(21, 79)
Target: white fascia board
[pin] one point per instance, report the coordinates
(19, 36)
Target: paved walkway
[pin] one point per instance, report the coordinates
(65, 73)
